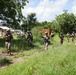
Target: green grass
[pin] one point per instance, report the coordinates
(57, 60)
(4, 61)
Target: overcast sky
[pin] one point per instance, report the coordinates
(46, 10)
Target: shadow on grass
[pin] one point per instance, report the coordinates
(5, 62)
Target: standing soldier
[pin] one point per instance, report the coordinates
(68, 36)
(73, 36)
(46, 40)
(29, 38)
(61, 37)
(8, 38)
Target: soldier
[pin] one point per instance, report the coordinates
(29, 38)
(61, 37)
(8, 38)
(73, 36)
(68, 36)
(46, 40)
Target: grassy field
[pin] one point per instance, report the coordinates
(57, 60)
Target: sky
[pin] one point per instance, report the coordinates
(46, 10)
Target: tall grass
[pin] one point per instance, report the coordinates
(18, 44)
(60, 60)
(57, 60)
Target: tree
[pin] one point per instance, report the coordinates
(66, 22)
(11, 11)
(24, 26)
(54, 26)
(46, 24)
(31, 21)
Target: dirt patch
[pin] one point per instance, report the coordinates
(13, 59)
(17, 60)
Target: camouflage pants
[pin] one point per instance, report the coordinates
(8, 47)
(61, 41)
(46, 46)
(72, 39)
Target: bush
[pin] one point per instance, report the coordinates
(37, 36)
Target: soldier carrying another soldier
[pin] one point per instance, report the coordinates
(8, 38)
(46, 40)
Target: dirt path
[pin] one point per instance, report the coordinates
(13, 59)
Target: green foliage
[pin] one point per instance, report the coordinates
(24, 26)
(54, 26)
(36, 32)
(57, 60)
(31, 21)
(19, 36)
(18, 44)
(37, 35)
(11, 12)
(4, 61)
(66, 22)
(46, 24)
(2, 42)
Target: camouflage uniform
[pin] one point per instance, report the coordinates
(61, 38)
(46, 40)
(68, 36)
(29, 38)
(8, 38)
(73, 36)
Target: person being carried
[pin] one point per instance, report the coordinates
(8, 38)
(46, 40)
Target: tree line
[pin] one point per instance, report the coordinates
(11, 16)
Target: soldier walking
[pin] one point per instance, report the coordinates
(73, 36)
(61, 37)
(29, 38)
(8, 39)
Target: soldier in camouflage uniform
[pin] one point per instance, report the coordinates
(73, 36)
(46, 40)
(61, 37)
(8, 38)
(29, 38)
